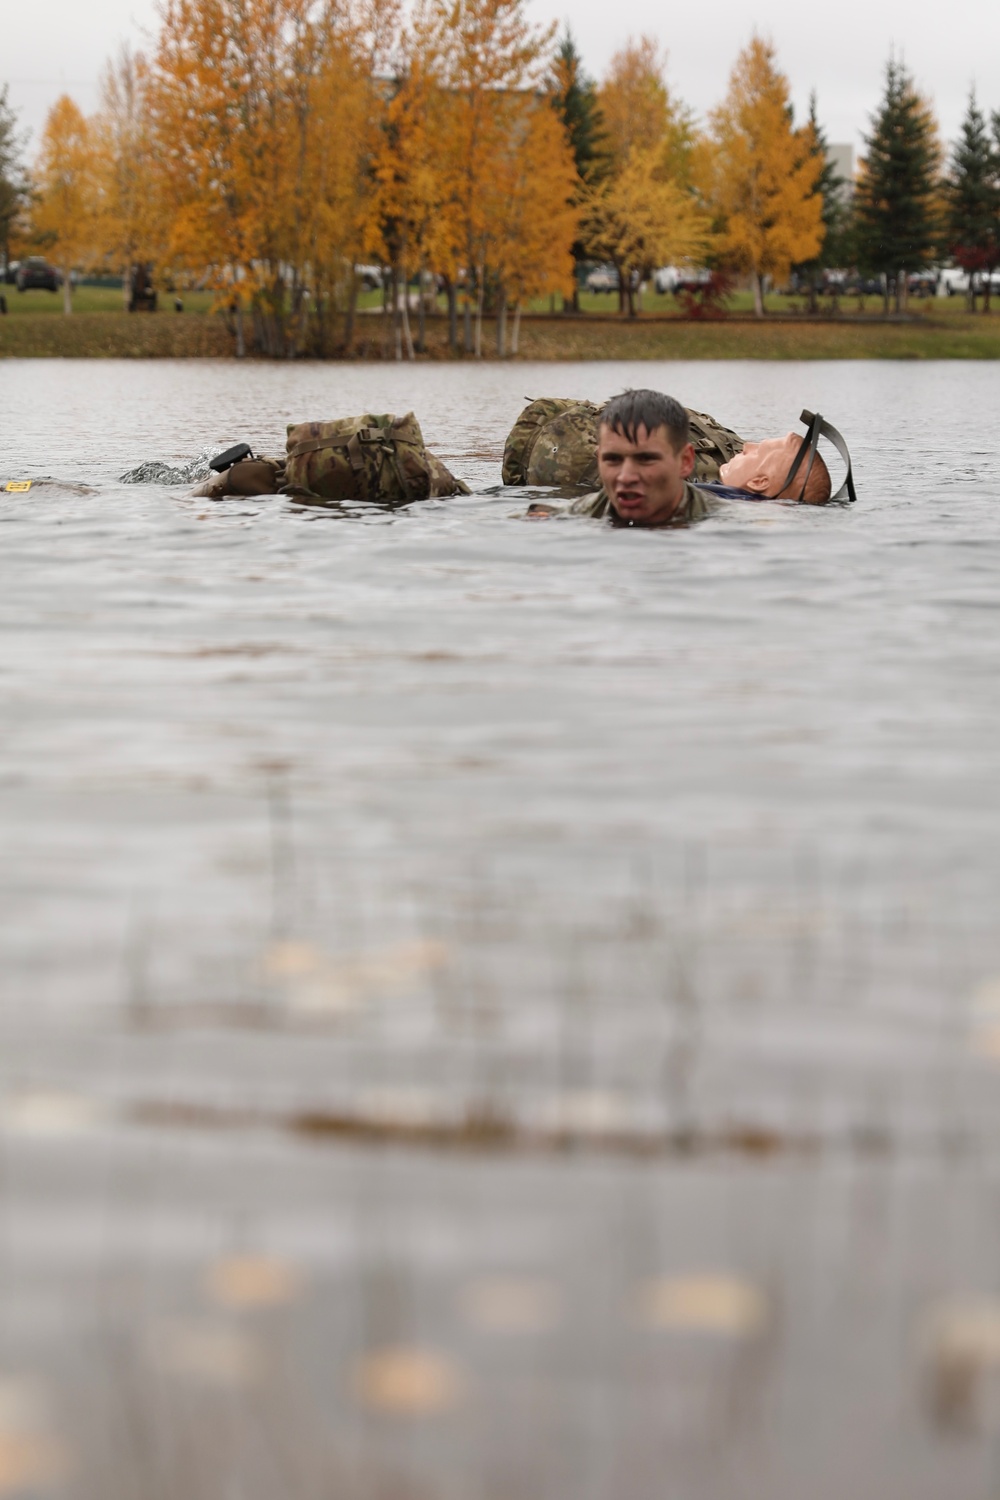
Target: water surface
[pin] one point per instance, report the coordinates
(543, 836)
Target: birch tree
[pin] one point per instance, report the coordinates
(66, 187)
(763, 174)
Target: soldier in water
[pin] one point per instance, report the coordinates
(656, 464)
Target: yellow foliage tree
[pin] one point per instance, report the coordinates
(483, 54)
(638, 112)
(65, 182)
(336, 112)
(761, 175)
(536, 215)
(406, 208)
(262, 117)
(130, 228)
(638, 219)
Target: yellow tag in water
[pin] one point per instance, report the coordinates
(18, 486)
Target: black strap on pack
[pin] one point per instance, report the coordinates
(818, 427)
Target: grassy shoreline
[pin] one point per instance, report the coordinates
(590, 336)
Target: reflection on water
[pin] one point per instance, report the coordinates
(356, 874)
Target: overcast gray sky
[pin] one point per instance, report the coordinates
(837, 49)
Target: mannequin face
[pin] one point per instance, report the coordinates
(762, 467)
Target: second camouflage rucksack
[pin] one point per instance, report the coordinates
(378, 458)
(554, 441)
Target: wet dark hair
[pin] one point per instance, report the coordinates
(626, 413)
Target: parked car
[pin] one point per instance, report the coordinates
(864, 286)
(951, 281)
(954, 282)
(370, 277)
(11, 271)
(602, 279)
(832, 281)
(681, 278)
(921, 283)
(35, 273)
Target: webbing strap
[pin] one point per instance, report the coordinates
(313, 445)
(353, 450)
(346, 440)
(808, 445)
(352, 445)
(818, 427)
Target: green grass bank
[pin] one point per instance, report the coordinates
(99, 328)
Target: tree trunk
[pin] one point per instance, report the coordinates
(901, 290)
(467, 324)
(387, 311)
(352, 306)
(480, 298)
(987, 288)
(502, 327)
(241, 347)
(452, 317)
(758, 295)
(515, 333)
(397, 324)
(294, 318)
(407, 336)
(422, 311)
(885, 294)
(67, 292)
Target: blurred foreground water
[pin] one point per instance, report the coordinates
(493, 1009)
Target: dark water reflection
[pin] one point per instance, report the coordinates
(442, 823)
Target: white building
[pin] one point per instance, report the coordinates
(841, 158)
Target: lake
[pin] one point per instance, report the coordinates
(493, 1008)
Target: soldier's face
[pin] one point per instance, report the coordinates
(643, 480)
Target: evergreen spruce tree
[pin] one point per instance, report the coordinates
(830, 186)
(574, 98)
(973, 197)
(896, 200)
(13, 185)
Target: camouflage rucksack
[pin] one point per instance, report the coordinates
(365, 458)
(554, 441)
(714, 444)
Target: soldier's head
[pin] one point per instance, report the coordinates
(644, 455)
(762, 468)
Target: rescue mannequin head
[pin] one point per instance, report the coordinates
(762, 468)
